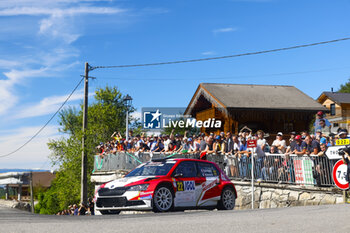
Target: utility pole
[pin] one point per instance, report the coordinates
(83, 193)
(31, 192)
(127, 126)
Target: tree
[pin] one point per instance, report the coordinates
(106, 114)
(345, 88)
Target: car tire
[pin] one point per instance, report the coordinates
(227, 200)
(163, 199)
(109, 212)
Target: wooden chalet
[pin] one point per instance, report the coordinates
(270, 108)
(339, 109)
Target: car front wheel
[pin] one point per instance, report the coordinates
(163, 199)
(228, 199)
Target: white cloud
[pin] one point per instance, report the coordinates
(38, 11)
(34, 154)
(8, 63)
(8, 97)
(208, 53)
(47, 105)
(222, 30)
(136, 115)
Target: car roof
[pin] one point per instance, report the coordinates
(197, 160)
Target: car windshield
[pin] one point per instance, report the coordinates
(152, 169)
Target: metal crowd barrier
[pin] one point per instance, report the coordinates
(276, 168)
(280, 168)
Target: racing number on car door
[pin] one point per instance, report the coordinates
(179, 185)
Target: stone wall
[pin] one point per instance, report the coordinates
(15, 204)
(277, 195)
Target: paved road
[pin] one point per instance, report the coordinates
(331, 218)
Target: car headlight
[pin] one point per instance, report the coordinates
(140, 187)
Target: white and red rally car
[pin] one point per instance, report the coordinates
(168, 184)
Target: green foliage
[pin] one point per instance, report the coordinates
(105, 115)
(345, 88)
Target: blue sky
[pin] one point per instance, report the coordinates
(44, 44)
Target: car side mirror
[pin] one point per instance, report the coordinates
(178, 175)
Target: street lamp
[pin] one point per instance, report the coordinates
(127, 100)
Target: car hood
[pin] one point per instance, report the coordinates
(125, 181)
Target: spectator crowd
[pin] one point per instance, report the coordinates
(236, 153)
(81, 209)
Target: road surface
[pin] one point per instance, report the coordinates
(329, 218)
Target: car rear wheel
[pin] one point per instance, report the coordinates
(163, 199)
(228, 199)
(108, 212)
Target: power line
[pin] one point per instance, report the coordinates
(222, 57)
(230, 77)
(41, 129)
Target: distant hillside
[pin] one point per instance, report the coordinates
(3, 170)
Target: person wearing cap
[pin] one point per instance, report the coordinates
(301, 146)
(319, 116)
(218, 144)
(343, 134)
(280, 143)
(187, 146)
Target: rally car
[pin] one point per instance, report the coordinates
(166, 185)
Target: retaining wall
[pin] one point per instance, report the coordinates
(277, 195)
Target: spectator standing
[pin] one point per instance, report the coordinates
(75, 210)
(343, 134)
(260, 151)
(301, 146)
(82, 209)
(203, 143)
(325, 130)
(320, 116)
(91, 207)
(280, 143)
(243, 158)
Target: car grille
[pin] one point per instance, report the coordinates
(111, 202)
(117, 202)
(112, 192)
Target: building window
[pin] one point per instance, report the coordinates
(332, 109)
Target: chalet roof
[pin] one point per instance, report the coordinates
(339, 98)
(272, 97)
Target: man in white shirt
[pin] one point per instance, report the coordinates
(260, 151)
(280, 143)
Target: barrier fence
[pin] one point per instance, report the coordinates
(276, 168)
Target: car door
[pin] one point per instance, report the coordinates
(210, 188)
(187, 184)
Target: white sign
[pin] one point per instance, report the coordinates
(332, 152)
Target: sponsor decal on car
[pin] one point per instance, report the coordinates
(146, 193)
(145, 197)
(185, 185)
(209, 186)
